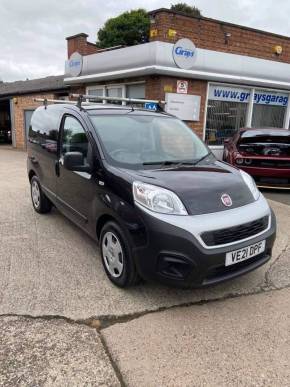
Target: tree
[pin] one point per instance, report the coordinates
(127, 29)
(185, 8)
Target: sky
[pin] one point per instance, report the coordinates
(32, 32)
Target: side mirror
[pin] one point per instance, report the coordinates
(74, 161)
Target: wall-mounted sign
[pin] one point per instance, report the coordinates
(150, 106)
(168, 89)
(238, 94)
(278, 50)
(171, 33)
(75, 64)
(153, 32)
(184, 53)
(182, 87)
(185, 107)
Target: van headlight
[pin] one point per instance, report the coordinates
(251, 184)
(158, 199)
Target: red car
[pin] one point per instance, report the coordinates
(263, 153)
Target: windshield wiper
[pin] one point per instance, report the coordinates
(176, 162)
(165, 162)
(202, 158)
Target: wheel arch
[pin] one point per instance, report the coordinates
(31, 174)
(101, 221)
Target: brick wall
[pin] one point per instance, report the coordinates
(20, 104)
(210, 34)
(78, 89)
(155, 89)
(78, 43)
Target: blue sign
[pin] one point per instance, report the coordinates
(150, 106)
(180, 51)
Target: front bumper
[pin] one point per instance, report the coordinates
(269, 177)
(174, 254)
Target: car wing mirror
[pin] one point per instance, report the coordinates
(75, 161)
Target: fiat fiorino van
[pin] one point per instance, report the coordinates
(143, 185)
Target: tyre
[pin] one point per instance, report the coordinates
(117, 256)
(40, 202)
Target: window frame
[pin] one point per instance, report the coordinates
(25, 129)
(249, 115)
(105, 87)
(61, 133)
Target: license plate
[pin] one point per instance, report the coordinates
(240, 255)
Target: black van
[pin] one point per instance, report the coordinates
(141, 183)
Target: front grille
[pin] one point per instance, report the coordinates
(270, 163)
(272, 181)
(233, 234)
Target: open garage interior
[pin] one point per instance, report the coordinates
(5, 123)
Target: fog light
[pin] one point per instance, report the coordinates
(239, 161)
(174, 267)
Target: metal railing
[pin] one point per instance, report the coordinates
(86, 100)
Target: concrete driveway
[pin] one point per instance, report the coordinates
(281, 196)
(50, 270)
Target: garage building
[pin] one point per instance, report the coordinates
(216, 76)
(17, 105)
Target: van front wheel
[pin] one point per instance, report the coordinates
(117, 257)
(40, 202)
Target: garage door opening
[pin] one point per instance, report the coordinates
(5, 123)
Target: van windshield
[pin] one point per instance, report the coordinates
(135, 141)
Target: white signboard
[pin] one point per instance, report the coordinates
(186, 107)
(74, 65)
(238, 94)
(182, 87)
(184, 53)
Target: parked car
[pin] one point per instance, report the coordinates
(263, 153)
(144, 186)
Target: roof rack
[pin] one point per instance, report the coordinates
(118, 99)
(86, 100)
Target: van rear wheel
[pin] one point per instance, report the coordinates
(40, 202)
(117, 256)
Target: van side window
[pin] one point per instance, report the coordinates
(74, 137)
(43, 130)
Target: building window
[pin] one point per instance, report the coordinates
(98, 91)
(115, 92)
(131, 90)
(269, 109)
(136, 91)
(223, 120)
(226, 112)
(229, 109)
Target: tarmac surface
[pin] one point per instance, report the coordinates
(51, 274)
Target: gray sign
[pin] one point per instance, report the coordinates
(184, 53)
(184, 106)
(75, 64)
